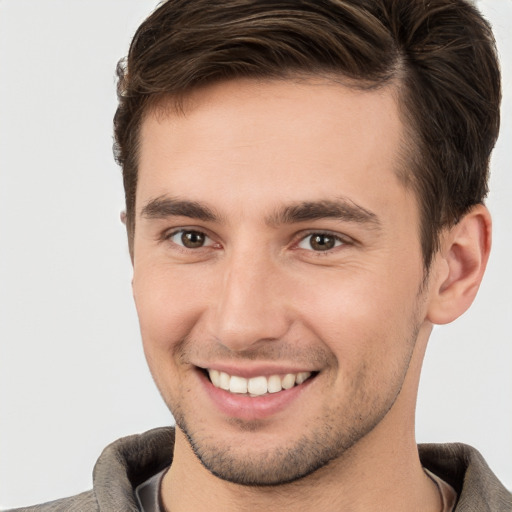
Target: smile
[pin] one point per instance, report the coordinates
(256, 386)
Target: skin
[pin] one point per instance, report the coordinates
(258, 297)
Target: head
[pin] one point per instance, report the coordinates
(292, 172)
(439, 56)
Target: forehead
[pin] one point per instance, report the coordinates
(269, 141)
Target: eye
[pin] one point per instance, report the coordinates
(190, 239)
(320, 242)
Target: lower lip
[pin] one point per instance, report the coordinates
(249, 408)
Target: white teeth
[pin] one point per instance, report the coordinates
(256, 386)
(274, 384)
(288, 381)
(224, 379)
(214, 377)
(301, 377)
(237, 384)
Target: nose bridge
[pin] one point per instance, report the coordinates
(250, 308)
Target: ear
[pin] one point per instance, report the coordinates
(459, 266)
(122, 217)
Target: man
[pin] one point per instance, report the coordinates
(304, 201)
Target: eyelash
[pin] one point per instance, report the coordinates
(339, 241)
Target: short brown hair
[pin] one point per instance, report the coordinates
(440, 53)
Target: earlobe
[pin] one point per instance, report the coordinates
(459, 266)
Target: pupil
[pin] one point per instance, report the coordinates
(192, 239)
(322, 242)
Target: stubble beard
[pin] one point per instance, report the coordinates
(277, 467)
(332, 434)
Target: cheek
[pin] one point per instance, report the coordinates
(168, 304)
(358, 315)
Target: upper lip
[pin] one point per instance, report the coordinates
(254, 369)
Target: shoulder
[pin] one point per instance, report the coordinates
(464, 468)
(84, 502)
(122, 466)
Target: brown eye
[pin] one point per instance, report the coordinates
(320, 242)
(192, 239)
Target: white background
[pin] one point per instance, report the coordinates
(72, 373)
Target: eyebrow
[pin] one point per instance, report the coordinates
(163, 207)
(340, 209)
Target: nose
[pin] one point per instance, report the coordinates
(251, 307)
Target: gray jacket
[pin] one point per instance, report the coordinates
(128, 462)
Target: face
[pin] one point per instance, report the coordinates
(277, 272)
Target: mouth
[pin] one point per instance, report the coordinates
(256, 386)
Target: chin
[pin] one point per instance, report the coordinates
(268, 460)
